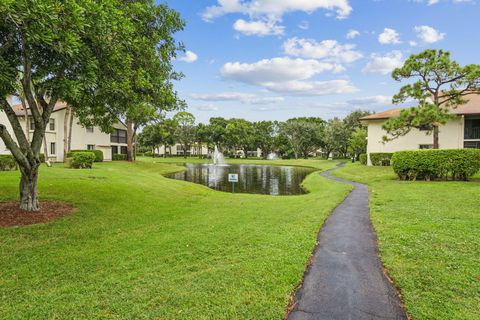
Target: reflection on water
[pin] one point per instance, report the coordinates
(272, 180)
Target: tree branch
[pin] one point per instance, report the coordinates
(17, 128)
(27, 83)
(14, 149)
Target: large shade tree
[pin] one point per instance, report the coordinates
(303, 135)
(238, 135)
(186, 130)
(439, 85)
(264, 136)
(79, 51)
(336, 137)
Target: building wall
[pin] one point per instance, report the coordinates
(5, 122)
(450, 137)
(80, 137)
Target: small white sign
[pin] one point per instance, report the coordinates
(232, 177)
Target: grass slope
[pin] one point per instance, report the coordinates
(142, 246)
(429, 238)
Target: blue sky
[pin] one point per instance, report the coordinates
(278, 59)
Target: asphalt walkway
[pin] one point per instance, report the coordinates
(346, 280)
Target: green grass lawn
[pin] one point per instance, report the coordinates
(142, 246)
(429, 238)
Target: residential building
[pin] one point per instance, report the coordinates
(177, 150)
(82, 138)
(462, 131)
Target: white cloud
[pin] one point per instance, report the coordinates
(330, 50)
(384, 64)
(267, 100)
(352, 34)
(432, 2)
(208, 107)
(412, 43)
(275, 70)
(288, 76)
(275, 9)
(189, 57)
(312, 88)
(371, 101)
(259, 28)
(389, 36)
(304, 25)
(428, 34)
(246, 98)
(222, 96)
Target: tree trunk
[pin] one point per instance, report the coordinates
(27, 124)
(129, 140)
(436, 132)
(45, 150)
(28, 189)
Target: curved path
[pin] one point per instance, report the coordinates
(346, 279)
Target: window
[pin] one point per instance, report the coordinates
(53, 148)
(51, 124)
(119, 136)
(471, 145)
(89, 129)
(426, 146)
(472, 129)
(123, 150)
(32, 124)
(90, 147)
(114, 149)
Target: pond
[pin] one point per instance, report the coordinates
(261, 179)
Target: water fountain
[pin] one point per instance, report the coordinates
(272, 156)
(218, 158)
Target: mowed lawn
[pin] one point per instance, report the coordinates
(142, 246)
(429, 238)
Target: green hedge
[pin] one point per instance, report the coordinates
(363, 158)
(381, 158)
(7, 163)
(118, 156)
(98, 154)
(428, 165)
(80, 160)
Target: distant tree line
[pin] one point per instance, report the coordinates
(294, 138)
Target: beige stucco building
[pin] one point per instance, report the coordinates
(463, 131)
(82, 138)
(177, 150)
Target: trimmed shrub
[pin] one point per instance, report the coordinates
(41, 158)
(119, 157)
(363, 159)
(149, 154)
(381, 158)
(459, 164)
(7, 163)
(98, 154)
(80, 160)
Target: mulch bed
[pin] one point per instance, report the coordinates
(11, 215)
